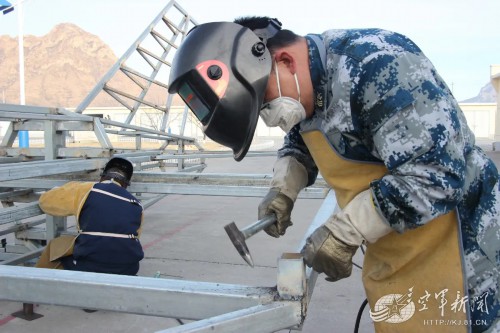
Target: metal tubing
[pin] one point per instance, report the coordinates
(131, 294)
(36, 169)
(254, 228)
(212, 155)
(23, 257)
(20, 226)
(17, 213)
(257, 319)
(184, 189)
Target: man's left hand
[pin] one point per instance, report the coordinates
(327, 254)
(330, 248)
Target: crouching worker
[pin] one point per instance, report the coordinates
(108, 220)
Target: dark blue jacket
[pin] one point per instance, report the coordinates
(109, 208)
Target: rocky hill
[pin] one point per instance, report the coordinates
(61, 68)
(487, 94)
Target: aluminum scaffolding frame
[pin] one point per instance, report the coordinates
(169, 168)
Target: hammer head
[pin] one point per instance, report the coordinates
(238, 240)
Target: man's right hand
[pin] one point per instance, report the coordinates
(279, 204)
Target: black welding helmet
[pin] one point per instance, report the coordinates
(119, 168)
(221, 71)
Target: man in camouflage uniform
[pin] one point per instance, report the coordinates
(368, 110)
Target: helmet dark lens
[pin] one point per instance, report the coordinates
(202, 88)
(196, 105)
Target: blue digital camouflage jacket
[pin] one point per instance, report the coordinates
(380, 99)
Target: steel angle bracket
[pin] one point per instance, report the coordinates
(287, 311)
(292, 282)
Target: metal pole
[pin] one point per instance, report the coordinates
(23, 135)
(254, 228)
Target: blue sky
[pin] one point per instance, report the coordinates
(461, 37)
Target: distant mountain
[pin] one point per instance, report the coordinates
(487, 94)
(61, 68)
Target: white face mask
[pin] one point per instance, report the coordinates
(284, 112)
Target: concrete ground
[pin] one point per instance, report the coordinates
(184, 238)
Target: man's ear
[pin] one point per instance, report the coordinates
(287, 59)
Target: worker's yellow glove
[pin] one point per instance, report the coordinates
(327, 254)
(330, 248)
(289, 178)
(280, 205)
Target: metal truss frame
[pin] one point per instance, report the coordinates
(25, 172)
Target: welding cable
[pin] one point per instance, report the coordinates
(358, 317)
(362, 307)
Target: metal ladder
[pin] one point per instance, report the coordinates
(155, 46)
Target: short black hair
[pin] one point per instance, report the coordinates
(281, 39)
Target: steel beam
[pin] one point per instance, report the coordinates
(17, 213)
(237, 179)
(45, 168)
(257, 319)
(181, 189)
(23, 108)
(14, 171)
(131, 294)
(234, 179)
(21, 226)
(213, 155)
(16, 260)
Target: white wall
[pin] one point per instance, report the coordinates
(480, 118)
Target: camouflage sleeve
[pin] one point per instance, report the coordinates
(418, 130)
(295, 146)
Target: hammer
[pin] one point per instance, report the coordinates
(238, 237)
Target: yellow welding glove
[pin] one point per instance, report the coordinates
(289, 178)
(330, 248)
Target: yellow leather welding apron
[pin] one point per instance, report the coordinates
(57, 248)
(411, 279)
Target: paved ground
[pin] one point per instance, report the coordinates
(184, 239)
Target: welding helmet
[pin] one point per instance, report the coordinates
(221, 71)
(119, 168)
